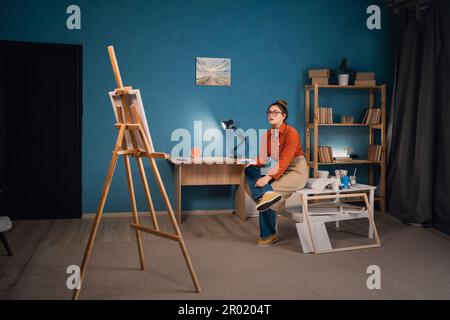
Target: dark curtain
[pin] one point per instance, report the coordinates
(419, 158)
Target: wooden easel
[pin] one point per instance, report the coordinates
(130, 122)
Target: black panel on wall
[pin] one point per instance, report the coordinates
(41, 109)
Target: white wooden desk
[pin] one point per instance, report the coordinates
(311, 218)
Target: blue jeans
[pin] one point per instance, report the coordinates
(267, 219)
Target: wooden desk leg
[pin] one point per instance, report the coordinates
(178, 193)
(239, 202)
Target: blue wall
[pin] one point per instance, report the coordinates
(272, 44)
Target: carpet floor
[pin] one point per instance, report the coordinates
(414, 262)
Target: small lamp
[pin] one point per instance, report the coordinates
(230, 124)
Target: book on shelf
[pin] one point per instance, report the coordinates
(319, 73)
(325, 116)
(372, 116)
(325, 154)
(374, 153)
(365, 76)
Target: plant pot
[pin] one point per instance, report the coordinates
(343, 79)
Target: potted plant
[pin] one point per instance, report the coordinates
(344, 72)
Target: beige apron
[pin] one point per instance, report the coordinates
(293, 179)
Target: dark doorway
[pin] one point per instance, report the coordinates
(40, 122)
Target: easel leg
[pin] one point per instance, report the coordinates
(175, 224)
(187, 258)
(147, 193)
(172, 217)
(101, 206)
(134, 208)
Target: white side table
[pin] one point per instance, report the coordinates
(311, 218)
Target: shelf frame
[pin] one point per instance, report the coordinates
(372, 126)
(310, 87)
(349, 162)
(312, 154)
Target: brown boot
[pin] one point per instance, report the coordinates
(268, 241)
(267, 201)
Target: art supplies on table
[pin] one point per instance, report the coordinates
(353, 178)
(345, 179)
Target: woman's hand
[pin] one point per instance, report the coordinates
(248, 163)
(263, 181)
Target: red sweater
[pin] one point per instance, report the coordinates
(289, 147)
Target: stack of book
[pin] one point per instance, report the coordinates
(365, 79)
(325, 154)
(325, 115)
(372, 116)
(374, 153)
(319, 76)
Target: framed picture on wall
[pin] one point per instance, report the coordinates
(213, 72)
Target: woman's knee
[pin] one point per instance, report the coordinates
(252, 171)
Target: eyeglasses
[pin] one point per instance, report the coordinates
(275, 113)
